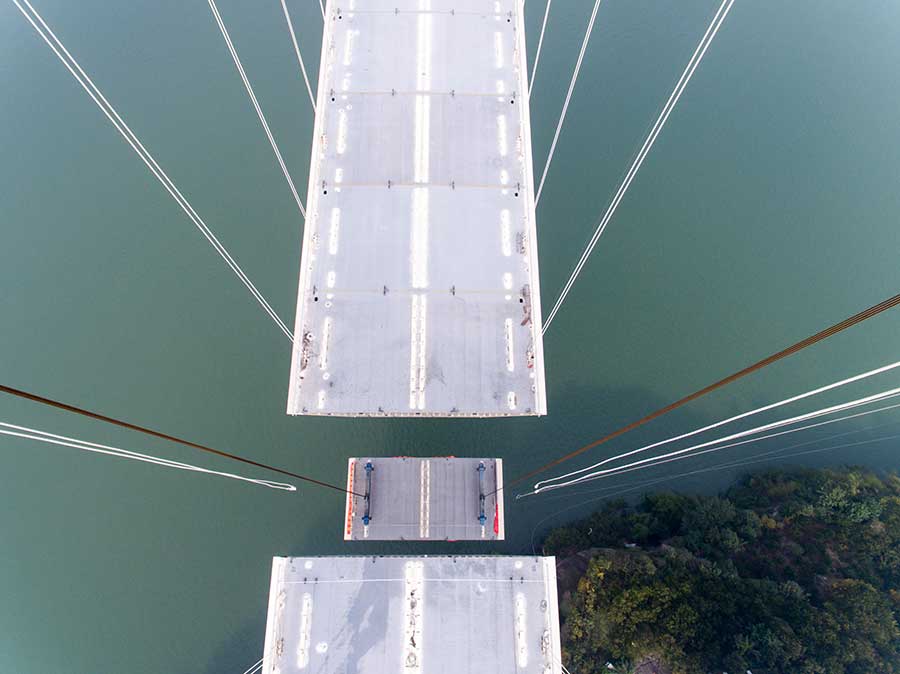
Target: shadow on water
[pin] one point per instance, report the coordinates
(241, 649)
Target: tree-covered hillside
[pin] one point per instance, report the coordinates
(794, 571)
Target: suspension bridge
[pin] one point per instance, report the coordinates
(419, 296)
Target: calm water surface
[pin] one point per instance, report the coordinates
(767, 210)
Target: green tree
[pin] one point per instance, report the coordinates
(788, 571)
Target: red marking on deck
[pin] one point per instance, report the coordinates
(348, 530)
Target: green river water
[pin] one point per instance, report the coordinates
(767, 210)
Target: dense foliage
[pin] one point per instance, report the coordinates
(786, 572)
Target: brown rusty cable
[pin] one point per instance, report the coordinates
(809, 341)
(165, 436)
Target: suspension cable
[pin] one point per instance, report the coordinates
(737, 417)
(773, 435)
(259, 112)
(756, 458)
(157, 434)
(65, 441)
(784, 353)
(686, 76)
(716, 443)
(537, 54)
(290, 25)
(66, 58)
(562, 116)
(322, 7)
(254, 667)
(777, 450)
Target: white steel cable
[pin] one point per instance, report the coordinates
(773, 435)
(682, 83)
(43, 436)
(62, 440)
(689, 453)
(131, 138)
(259, 112)
(759, 429)
(722, 466)
(737, 417)
(737, 464)
(537, 54)
(777, 450)
(562, 116)
(287, 17)
(255, 667)
(322, 7)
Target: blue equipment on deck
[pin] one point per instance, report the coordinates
(369, 468)
(481, 516)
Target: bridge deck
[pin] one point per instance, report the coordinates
(419, 290)
(440, 615)
(430, 499)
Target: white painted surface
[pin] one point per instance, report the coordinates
(419, 269)
(436, 615)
